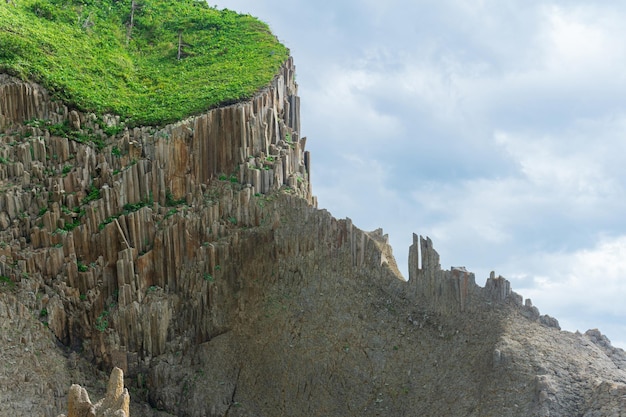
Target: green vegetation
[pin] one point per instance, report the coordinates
(130, 208)
(106, 221)
(170, 201)
(94, 194)
(153, 63)
(102, 323)
(6, 282)
(127, 209)
(81, 266)
(65, 130)
(69, 226)
(170, 213)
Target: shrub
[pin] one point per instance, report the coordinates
(101, 321)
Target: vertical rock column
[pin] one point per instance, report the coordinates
(443, 291)
(20, 101)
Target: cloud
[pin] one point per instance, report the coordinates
(582, 39)
(592, 274)
(583, 288)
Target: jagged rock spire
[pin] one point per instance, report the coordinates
(115, 404)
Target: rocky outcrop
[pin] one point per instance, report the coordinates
(33, 370)
(113, 224)
(193, 258)
(608, 399)
(20, 101)
(455, 290)
(116, 402)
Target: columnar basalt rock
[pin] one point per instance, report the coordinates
(455, 290)
(193, 258)
(446, 291)
(20, 101)
(100, 221)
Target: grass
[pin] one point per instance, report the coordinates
(179, 58)
(127, 209)
(94, 194)
(6, 282)
(170, 201)
(69, 226)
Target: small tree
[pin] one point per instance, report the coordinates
(131, 23)
(181, 45)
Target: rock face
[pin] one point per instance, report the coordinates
(20, 101)
(115, 403)
(456, 290)
(36, 371)
(120, 226)
(193, 258)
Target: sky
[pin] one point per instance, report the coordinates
(495, 127)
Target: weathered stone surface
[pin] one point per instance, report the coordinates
(608, 400)
(34, 375)
(116, 402)
(178, 164)
(78, 403)
(21, 101)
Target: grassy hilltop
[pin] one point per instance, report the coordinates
(148, 60)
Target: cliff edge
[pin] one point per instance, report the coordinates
(192, 257)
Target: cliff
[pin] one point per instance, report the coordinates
(193, 257)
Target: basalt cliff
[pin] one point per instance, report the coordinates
(193, 257)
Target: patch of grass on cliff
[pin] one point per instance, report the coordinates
(6, 282)
(147, 60)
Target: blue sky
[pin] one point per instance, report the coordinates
(497, 128)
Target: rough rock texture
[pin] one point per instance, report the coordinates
(160, 206)
(36, 370)
(115, 403)
(20, 101)
(193, 258)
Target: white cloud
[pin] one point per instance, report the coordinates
(584, 288)
(347, 110)
(590, 279)
(566, 166)
(582, 39)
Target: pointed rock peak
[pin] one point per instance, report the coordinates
(115, 403)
